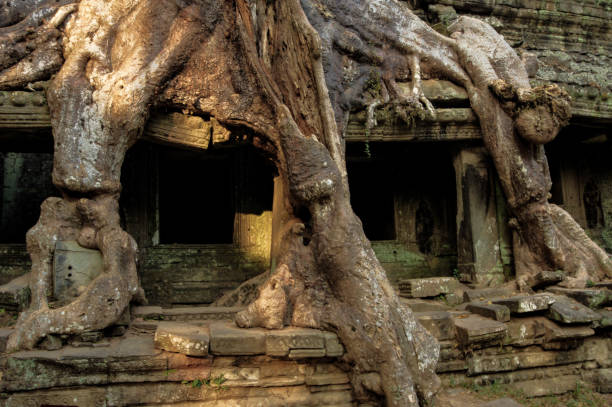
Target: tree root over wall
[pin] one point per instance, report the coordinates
(288, 72)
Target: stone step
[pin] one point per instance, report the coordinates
(152, 313)
(15, 295)
(438, 323)
(182, 338)
(521, 304)
(494, 311)
(476, 329)
(428, 287)
(591, 297)
(295, 343)
(483, 294)
(568, 311)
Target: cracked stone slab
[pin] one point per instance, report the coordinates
(227, 339)
(591, 297)
(428, 287)
(438, 323)
(525, 331)
(555, 332)
(182, 338)
(521, 304)
(569, 311)
(494, 311)
(475, 329)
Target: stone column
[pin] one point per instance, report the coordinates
(478, 239)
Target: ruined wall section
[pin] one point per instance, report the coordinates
(571, 39)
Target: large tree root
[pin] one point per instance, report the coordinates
(94, 223)
(516, 120)
(388, 352)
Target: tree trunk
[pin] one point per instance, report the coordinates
(262, 67)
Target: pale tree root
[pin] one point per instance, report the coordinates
(388, 353)
(516, 120)
(26, 58)
(553, 240)
(95, 224)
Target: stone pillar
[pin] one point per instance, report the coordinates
(280, 217)
(479, 257)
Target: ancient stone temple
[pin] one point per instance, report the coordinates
(426, 192)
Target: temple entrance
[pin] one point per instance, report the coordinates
(404, 194)
(202, 219)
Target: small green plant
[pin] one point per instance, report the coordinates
(215, 383)
(590, 283)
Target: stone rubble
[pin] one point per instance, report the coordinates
(545, 346)
(542, 344)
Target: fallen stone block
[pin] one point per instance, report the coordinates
(280, 342)
(521, 304)
(555, 332)
(546, 278)
(438, 323)
(15, 295)
(182, 338)
(475, 329)
(494, 311)
(591, 297)
(428, 287)
(482, 294)
(569, 311)
(227, 339)
(525, 331)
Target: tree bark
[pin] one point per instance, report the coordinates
(286, 73)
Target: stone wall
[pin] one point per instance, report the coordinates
(571, 39)
(292, 367)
